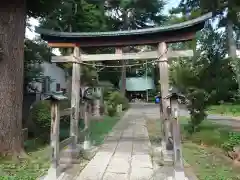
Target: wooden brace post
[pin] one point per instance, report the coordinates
(178, 158)
(55, 120)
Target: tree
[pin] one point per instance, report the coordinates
(227, 12)
(205, 79)
(34, 54)
(133, 14)
(13, 15)
(76, 16)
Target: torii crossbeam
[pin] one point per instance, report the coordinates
(116, 57)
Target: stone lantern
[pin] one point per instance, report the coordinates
(86, 97)
(174, 96)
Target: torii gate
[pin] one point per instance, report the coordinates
(158, 36)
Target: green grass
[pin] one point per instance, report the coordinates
(203, 151)
(209, 163)
(209, 133)
(29, 168)
(100, 128)
(37, 163)
(225, 109)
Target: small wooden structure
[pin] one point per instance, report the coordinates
(158, 36)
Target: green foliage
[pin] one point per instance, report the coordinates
(113, 99)
(88, 76)
(186, 78)
(37, 164)
(233, 140)
(111, 110)
(213, 135)
(116, 98)
(34, 54)
(218, 7)
(229, 109)
(30, 168)
(106, 93)
(133, 14)
(200, 150)
(40, 8)
(209, 163)
(41, 116)
(197, 105)
(76, 15)
(207, 133)
(110, 74)
(205, 79)
(99, 129)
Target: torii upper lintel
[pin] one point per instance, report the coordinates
(173, 33)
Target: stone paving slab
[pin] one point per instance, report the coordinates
(141, 173)
(115, 176)
(141, 161)
(125, 153)
(92, 173)
(118, 165)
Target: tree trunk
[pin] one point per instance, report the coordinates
(12, 31)
(126, 23)
(123, 86)
(232, 49)
(230, 38)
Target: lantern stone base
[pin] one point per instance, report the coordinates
(71, 156)
(166, 155)
(86, 144)
(177, 175)
(89, 153)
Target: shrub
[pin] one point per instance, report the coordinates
(111, 110)
(41, 116)
(196, 104)
(233, 140)
(106, 93)
(116, 98)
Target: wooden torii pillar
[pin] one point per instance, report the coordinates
(164, 82)
(75, 102)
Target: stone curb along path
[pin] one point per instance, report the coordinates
(124, 154)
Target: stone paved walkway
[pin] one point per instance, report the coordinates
(125, 153)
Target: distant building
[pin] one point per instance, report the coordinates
(54, 79)
(138, 87)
